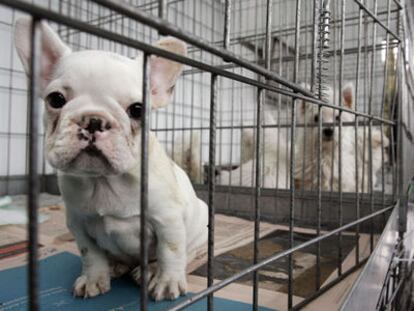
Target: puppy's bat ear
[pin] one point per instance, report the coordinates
(164, 73)
(348, 95)
(53, 49)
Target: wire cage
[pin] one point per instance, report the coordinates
(290, 112)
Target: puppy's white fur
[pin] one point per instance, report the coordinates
(187, 155)
(307, 152)
(101, 189)
(379, 150)
(275, 160)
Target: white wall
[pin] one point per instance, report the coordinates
(237, 101)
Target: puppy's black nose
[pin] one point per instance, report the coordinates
(94, 125)
(328, 132)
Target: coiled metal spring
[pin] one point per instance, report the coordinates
(322, 56)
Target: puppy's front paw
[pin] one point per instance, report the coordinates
(168, 285)
(88, 287)
(117, 270)
(136, 273)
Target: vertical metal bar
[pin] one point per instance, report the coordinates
(384, 92)
(193, 101)
(279, 181)
(258, 58)
(33, 182)
(231, 141)
(184, 7)
(341, 83)
(292, 157)
(356, 125)
(268, 50)
(287, 52)
(402, 211)
(365, 101)
(143, 37)
(144, 183)
(319, 207)
(319, 87)
(9, 115)
(211, 187)
(257, 197)
(304, 141)
(394, 132)
(227, 21)
(370, 171)
(334, 35)
(162, 9)
(198, 174)
(242, 100)
(268, 56)
(174, 107)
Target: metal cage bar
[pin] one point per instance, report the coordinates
(217, 286)
(34, 185)
(144, 184)
(211, 185)
(263, 85)
(257, 186)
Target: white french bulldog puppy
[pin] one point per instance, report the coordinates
(93, 103)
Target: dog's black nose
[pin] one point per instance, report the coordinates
(94, 125)
(328, 132)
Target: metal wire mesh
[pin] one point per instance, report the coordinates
(250, 114)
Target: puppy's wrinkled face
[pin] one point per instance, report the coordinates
(330, 117)
(93, 110)
(93, 101)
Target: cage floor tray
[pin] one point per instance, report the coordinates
(55, 290)
(233, 242)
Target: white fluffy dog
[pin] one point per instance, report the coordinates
(93, 104)
(187, 155)
(275, 160)
(307, 148)
(379, 149)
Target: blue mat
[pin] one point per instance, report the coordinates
(57, 274)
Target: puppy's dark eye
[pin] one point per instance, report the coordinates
(135, 111)
(316, 118)
(56, 100)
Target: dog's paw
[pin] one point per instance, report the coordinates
(88, 287)
(136, 273)
(167, 285)
(117, 269)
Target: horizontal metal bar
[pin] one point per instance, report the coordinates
(308, 195)
(219, 285)
(375, 18)
(168, 28)
(229, 127)
(289, 30)
(329, 53)
(150, 49)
